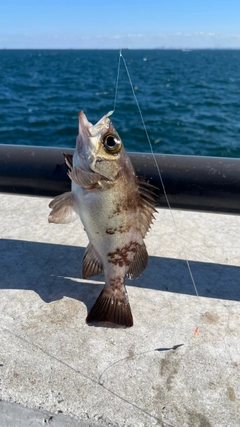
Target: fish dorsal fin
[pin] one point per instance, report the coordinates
(146, 205)
(85, 179)
(139, 262)
(68, 159)
(91, 263)
(64, 209)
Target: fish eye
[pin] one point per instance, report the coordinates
(112, 143)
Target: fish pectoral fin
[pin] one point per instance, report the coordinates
(83, 178)
(92, 266)
(111, 308)
(139, 262)
(64, 209)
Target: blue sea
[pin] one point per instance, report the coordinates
(190, 100)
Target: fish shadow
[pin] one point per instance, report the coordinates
(53, 272)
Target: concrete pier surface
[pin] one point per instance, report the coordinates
(179, 365)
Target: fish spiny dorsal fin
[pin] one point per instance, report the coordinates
(91, 263)
(64, 209)
(68, 159)
(139, 262)
(112, 306)
(146, 205)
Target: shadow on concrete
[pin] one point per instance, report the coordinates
(16, 415)
(50, 270)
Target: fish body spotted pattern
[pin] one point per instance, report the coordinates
(116, 210)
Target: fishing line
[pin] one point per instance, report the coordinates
(116, 89)
(156, 164)
(196, 330)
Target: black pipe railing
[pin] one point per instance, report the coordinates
(207, 184)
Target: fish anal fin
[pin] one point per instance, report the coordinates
(83, 178)
(92, 266)
(139, 262)
(64, 209)
(111, 309)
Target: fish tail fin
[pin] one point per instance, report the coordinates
(111, 307)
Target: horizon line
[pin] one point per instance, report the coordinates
(122, 48)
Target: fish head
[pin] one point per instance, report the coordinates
(99, 148)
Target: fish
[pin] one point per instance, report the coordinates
(116, 209)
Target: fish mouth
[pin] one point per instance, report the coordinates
(83, 153)
(87, 129)
(89, 137)
(84, 124)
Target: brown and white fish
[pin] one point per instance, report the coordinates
(116, 210)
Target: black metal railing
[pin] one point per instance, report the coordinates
(209, 184)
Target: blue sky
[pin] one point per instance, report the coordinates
(119, 23)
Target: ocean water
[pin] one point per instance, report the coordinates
(190, 100)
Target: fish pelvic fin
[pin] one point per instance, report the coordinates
(64, 209)
(139, 262)
(92, 266)
(111, 307)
